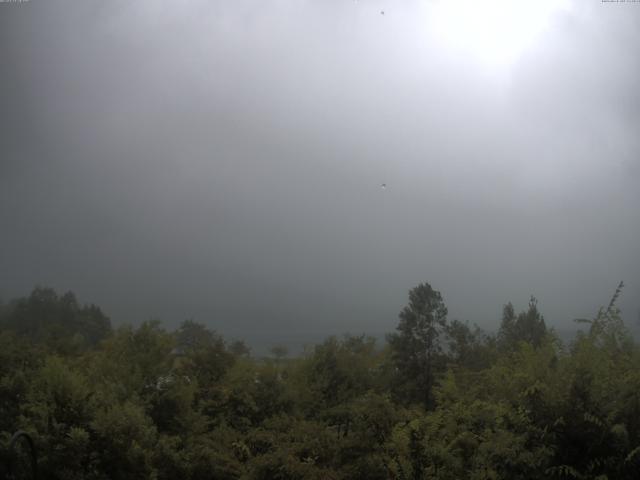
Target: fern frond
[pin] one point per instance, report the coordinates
(617, 293)
(563, 471)
(593, 419)
(633, 454)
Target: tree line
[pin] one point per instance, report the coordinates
(439, 399)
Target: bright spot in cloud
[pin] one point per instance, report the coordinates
(495, 32)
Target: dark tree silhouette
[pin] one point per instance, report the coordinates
(416, 347)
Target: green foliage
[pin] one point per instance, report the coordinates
(469, 348)
(441, 400)
(417, 347)
(58, 322)
(339, 370)
(528, 326)
(126, 438)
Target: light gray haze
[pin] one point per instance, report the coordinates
(223, 160)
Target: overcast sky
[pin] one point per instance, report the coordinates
(223, 160)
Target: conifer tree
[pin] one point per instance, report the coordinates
(416, 347)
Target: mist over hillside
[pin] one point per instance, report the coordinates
(224, 161)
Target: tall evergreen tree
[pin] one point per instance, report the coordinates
(507, 336)
(416, 347)
(529, 326)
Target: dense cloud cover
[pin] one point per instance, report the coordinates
(223, 160)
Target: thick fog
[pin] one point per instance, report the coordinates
(223, 160)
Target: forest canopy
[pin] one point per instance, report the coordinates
(440, 399)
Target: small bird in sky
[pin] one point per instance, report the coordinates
(381, 12)
(383, 186)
